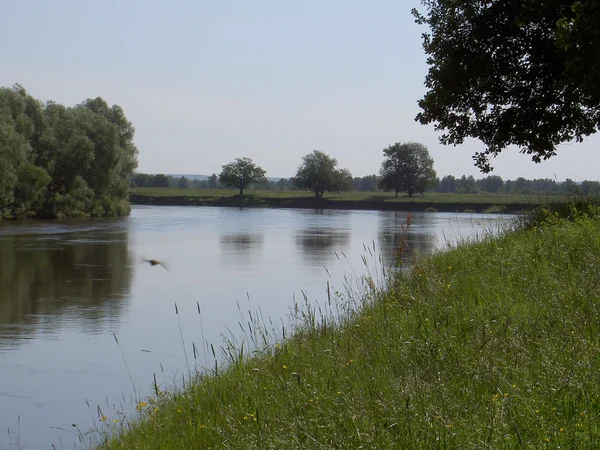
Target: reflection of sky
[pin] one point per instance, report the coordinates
(229, 261)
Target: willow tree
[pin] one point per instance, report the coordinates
(58, 161)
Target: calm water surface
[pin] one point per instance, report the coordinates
(66, 287)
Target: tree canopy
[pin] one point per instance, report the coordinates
(514, 72)
(58, 161)
(407, 168)
(241, 173)
(319, 173)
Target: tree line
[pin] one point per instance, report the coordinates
(58, 161)
(406, 168)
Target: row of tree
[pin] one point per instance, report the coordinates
(495, 184)
(58, 161)
(318, 173)
(370, 183)
(406, 168)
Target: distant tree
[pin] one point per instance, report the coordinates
(545, 185)
(140, 180)
(447, 184)
(199, 184)
(264, 185)
(522, 186)
(213, 182)
(467, 185)
(281, 184)
(182, 183)
(342, 181)
(492, 183)
(160, 181)
(512, 73)
(319, 173)
(366, 184)
(589, 188)
(241, 173)
(570, 187)
(407, 168)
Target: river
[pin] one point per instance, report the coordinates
(69, 288)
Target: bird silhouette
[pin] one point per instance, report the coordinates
(154, 262)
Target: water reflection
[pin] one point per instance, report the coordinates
(238, 248)
(404, 234)
(319, 244)
(51, 278)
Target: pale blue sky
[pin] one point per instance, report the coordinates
(206, 82)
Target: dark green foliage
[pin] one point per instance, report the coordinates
(512, 73)
(407, 168)
(159, 180)
(182, 183)
(319, 173)
(366, 184)
(496, 185)
(241, 173)
(213, 182)
(57, 161)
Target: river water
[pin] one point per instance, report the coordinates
(68, 288)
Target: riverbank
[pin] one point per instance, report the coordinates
(492, 344)
(347, 200)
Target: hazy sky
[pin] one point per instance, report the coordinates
(206, 82)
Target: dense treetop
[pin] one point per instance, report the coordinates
(319, 173)
(58, 161)
(407, 167)
(512, 72)
(241, 173)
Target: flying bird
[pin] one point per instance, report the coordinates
(154, 262)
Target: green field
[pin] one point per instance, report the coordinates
(491, 345)
(358, 200)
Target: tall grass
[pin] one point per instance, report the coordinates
(493, 344)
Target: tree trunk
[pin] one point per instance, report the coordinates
(241, 191)
(396, 193)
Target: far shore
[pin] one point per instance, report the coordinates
(478, 203)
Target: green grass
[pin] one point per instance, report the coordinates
(350, 196)
(492, 345)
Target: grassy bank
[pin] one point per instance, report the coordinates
(343, 200)
(490, 345)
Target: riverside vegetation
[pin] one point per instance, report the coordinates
(434, 201)
(491, 344)
(59, 162)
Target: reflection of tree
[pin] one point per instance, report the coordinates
(240, 246)
(79, 278)
(318, 244)
(397, 236)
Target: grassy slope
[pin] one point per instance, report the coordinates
(490, 345)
